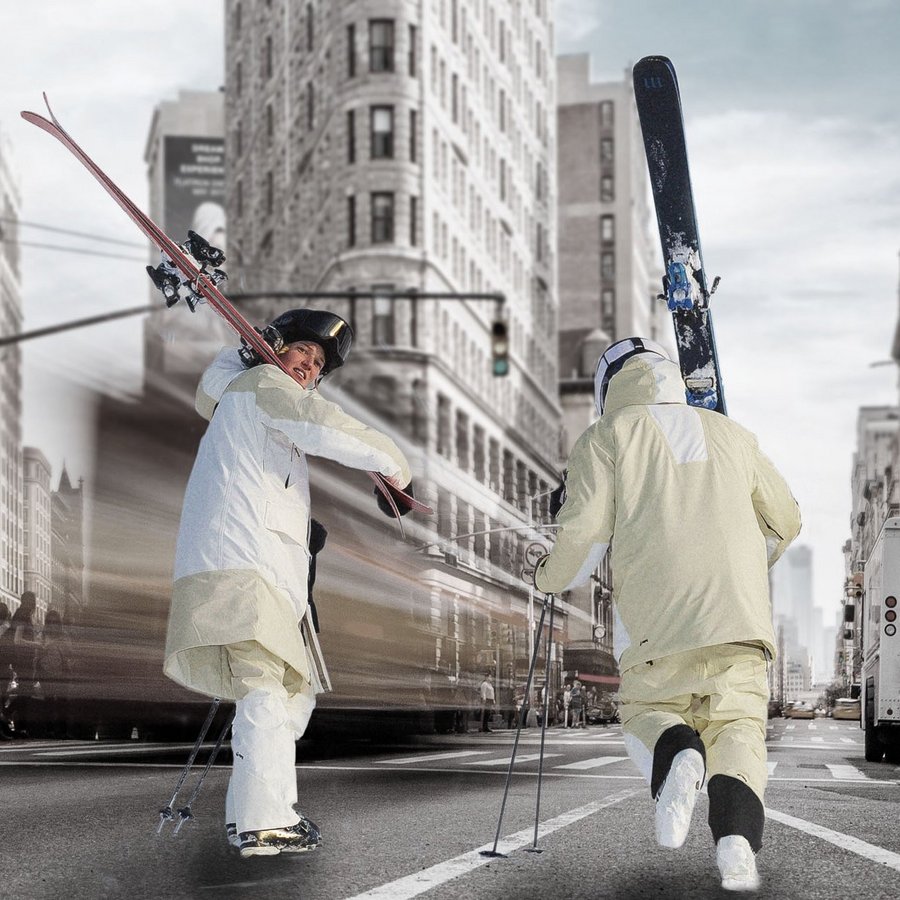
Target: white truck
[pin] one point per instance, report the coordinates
(880, 620)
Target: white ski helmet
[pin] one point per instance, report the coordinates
(614, 357)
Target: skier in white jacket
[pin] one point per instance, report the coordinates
(694, 514)
(240, 622)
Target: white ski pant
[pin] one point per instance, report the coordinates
(721, 691)
(271, 714)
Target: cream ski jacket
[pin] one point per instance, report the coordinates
(694, 511)
(242, 563)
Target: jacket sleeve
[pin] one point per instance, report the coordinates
(586, 519)
(776, 509)
(321, 428)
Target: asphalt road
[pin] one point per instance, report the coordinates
(79, 820)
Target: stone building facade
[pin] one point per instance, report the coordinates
(388, 147)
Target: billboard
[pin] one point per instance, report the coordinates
(194, 188)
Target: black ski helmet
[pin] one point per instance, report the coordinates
(614, 357)
(329, 331)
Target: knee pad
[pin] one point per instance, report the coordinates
(671, 742)
(260, 709)
(734, 808)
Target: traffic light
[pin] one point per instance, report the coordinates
(500, 347)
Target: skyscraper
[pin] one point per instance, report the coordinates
(11, 549)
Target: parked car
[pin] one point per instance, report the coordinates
(845, 708)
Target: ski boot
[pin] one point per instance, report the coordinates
(303, 837)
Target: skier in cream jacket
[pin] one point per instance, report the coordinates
(239, 626)
(695, 515)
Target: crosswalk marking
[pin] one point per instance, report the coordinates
(812, 726)
(433, 756)
(594, 763)
(818, 740)
(845, 772)
(771, 766)
(789, 727)
(847, 741)
(504, 760)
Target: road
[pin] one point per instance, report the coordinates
(79, 821)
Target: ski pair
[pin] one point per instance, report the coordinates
(684, 282)
(185, 814)
(202, 282)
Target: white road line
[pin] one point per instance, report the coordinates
(430, 757)
(812, 727)
(848, 773)
(789, 727)
(771, 766)
(832, 728)
(594, 763)
(847, 741)
(419, 882)
(116, 749)
(844, 841)
(818, 740)
(504, 760)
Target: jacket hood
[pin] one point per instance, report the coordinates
(221, 372)
(644, 380)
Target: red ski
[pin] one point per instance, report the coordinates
(200, 280)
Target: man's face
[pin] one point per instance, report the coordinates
(304, 360)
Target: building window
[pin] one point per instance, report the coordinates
(462, 440)
(381, 45)
(607, 303)
(607, 155)
(413, 135)
(310, 106)
(454, 21)
(383, 315)
(454, 97)
(411, 55)
(607, 191)
(240, 199)
(501, 111)
(443, 426)
(607, 266)
(236, 21)
(270, 193)
(606, 114)
(238, 78)
(607, 229)
(413, 221)
(351, 51)
(267, 58)
(382, 217)
(381, 137)
(478, 457)
(310, 27)
(351, 221)
(509, 477)
(351, 136)
(270, 123)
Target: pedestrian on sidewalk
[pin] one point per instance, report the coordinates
(576, 704)
(486, 692)
(695, 514)
(25, 645)
(240, 625)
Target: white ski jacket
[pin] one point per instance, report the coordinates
(694, 511)
(242, 559)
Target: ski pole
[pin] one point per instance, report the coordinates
(537, 807)
(185, 812)
(523, 713)
(166, 814)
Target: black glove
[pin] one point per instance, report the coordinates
(249, 356)
(385, 507)
(558, 497)
(317, 535)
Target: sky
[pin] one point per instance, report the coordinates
(793, 139)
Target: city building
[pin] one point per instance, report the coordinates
(186, 178)
(36, 521)
(67, 548)
(874, 497)
(387, 149)
(11, 500)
